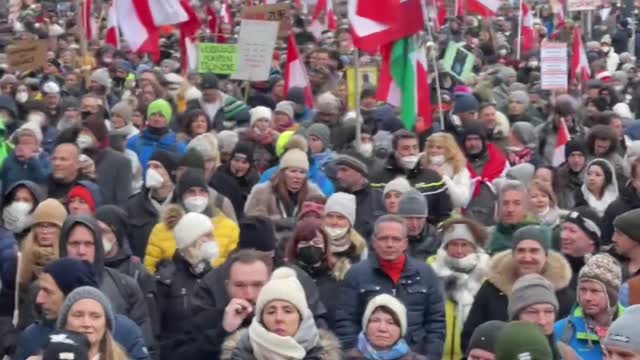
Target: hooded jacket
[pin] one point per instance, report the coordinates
(113, 176)
(35, 169)
(566, 183)
(162, 241)
(236, 189)
(123, 291)
(628, 199)
(612, 155)
(490, 302)
(140, 225)
(145, 143)
(584, 197)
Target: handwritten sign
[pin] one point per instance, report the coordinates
(579, 5)
(27, 55)
(554, 66)
(276, 12)
(218, 58)
(256, 42)
(367, 76)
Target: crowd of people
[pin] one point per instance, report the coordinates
(149, 212)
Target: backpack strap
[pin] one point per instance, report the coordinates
(567, 333)
(634, 290)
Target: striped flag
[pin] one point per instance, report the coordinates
(562, 139)
(188, 31)
(323, 18)
(113, 34)
(486, 8)
(404, 82)
(88, 23)
(580, 70)
(295, 74)
(527, 35)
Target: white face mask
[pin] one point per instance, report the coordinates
(336, 233)
(210, 251)
(437, 159)
(22, 96)
(107, 245)
(513, 149)
(84, 141)
(466, 264)
(366, 149)
(196, 203)
(153, 180)
(16, 216)
(409, 162)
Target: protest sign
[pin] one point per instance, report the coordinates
(367, 77)
(218, 58)
(458, 61)
(553, 66)
(256, 42)
(27, 55)
(276, 12)
(579, 5)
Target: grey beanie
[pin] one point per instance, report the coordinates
(519, 96)
(81, 293)
(322, 132)
(529, 290)
(537, 233)
(413, 204)
(526, 134)
(623, 333)
(522, 172)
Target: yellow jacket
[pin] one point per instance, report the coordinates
(452, 350)
(162, 242)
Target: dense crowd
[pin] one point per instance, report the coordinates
(149, 212)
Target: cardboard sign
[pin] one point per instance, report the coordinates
(458, 61)
(218, 58)
(26, 55)
(276, 12)
(579, 5)
(256, 42)
(367, 76)
(554, 68)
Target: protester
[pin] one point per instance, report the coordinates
(393, 192)
(443, 155)
(423, 238)
(569, 176)
(544, 204)
(599, 188)
(621, 339)
(625, 240)
(482, 345)
(627, 200)
(513, 214)
(520, 339)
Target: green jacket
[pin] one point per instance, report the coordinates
(501, 239)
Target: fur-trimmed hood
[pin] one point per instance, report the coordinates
(172, 215)
(238, 347)
(360, 252)
(501, 271)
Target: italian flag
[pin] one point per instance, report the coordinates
(404, 82)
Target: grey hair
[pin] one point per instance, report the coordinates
(390, 218)
(507, 185)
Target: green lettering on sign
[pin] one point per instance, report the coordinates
(218, 58)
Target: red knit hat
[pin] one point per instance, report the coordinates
(310, 207)
(83, 193)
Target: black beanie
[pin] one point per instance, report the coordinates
(475, 128)
(574, 146)
(70, 273)
(588, 221)
(243, 148)
(192, 159)
(168, 160)
(190, 179)
(257, 232)
(66, 344)
(116, 218)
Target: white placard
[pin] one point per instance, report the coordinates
(554, 67)
(256, 42)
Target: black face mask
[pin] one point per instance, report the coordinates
(158, 131)
(85, 114)
(118, 82)
(311, 255)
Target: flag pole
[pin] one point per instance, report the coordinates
(356, 90)
(519, 31)
(435, 69)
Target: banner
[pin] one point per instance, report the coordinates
(26, 55)
(580, 5)
(554, 68)
(458, 61)
(256, 42)
(218, 58)
(276, 12)
(368, 76)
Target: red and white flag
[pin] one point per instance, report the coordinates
(225, 13)
(141, 20)
(295, 72)
(527, 35)
(562, 139)
(486, 8)
(323, 18)
(113, 33)
(188, 38)
(376, 23)
(580, 70)
(88, 23)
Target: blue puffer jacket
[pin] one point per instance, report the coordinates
(315, 175)
(126, 333)
(574, 332)
(8, 253)
(145, 144)
(419, 289)
(36, 169)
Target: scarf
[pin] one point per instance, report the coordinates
(262, 138)
(550, 217)
(398, 350)
(462, 279)
(267, 345)
(600, 205)
(393, 268)
(520, 157)
(42, 256)
(493, 169)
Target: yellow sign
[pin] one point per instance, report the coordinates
(367, 77)
(218, 58)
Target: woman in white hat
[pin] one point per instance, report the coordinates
(384, 325)
(283, 327)
(392, 193)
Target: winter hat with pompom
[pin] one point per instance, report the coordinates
(283, 285)
(259, 112)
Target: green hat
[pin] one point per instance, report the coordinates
(283, 140)
(233, 107)
(537, 233)
(160, 106)
(627, 224)
(522, 340)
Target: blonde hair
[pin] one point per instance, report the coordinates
(452, 151)
(537, 185)
(28, 267)
(110, 349)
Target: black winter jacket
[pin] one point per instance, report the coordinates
(236, 189)
(142, 218)
(419, 289)
(626, 201)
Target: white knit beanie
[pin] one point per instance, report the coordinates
(390, 302)
(207, 146)
(283, 285)
(343, 204)
(190, 228)
(259, 112)
(295, 158)
(399, 184)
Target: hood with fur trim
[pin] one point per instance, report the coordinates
(238, 346)
(502, 271)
